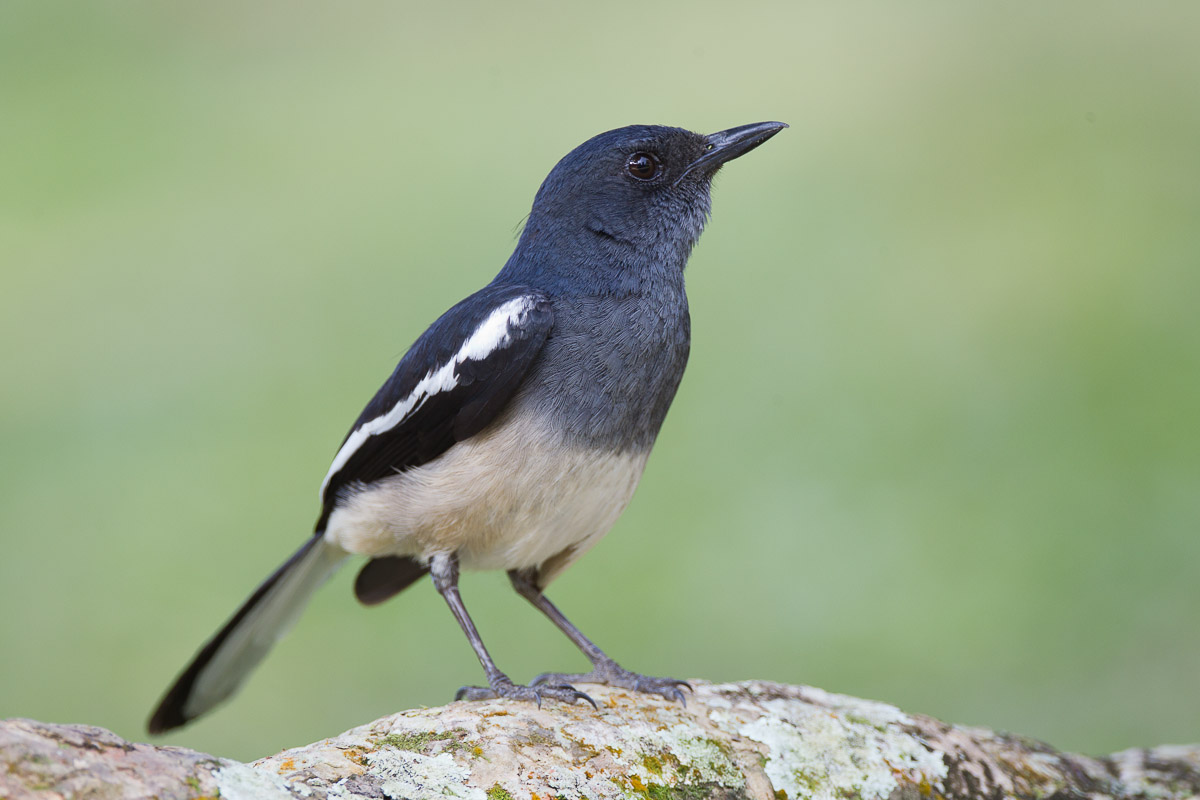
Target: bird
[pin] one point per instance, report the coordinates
(513, 432)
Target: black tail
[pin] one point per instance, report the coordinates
(223, 664)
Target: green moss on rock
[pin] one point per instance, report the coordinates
(498, 792)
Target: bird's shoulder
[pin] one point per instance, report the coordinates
(454, 380)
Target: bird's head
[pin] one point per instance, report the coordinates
(629, 198)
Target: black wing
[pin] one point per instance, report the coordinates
(452, 382)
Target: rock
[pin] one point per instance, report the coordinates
(754, 740)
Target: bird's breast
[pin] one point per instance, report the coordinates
(610, 368)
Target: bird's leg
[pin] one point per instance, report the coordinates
(604, 669)
(444, 570)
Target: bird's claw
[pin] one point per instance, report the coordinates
(563, 692)
(612, 674)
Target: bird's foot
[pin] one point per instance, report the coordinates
(610, 673)
(502, 686)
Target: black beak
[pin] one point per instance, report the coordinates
(729, 144)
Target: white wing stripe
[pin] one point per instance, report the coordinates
(491, 335)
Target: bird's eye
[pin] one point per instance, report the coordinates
(643, 166)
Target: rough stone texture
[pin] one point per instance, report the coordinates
(747, 740)
(76, 761)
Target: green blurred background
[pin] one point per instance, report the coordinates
(939, 442)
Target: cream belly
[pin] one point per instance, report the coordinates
(511, 497)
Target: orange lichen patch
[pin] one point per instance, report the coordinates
(534, 796)
(477, 751)
(287, 765)
(637, 784)
(500, 713)
(611, 702)
(356, 754)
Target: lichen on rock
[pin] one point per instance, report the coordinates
(741, 741)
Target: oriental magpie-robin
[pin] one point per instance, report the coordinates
(514, 431)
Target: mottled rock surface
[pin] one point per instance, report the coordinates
(746, 740)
